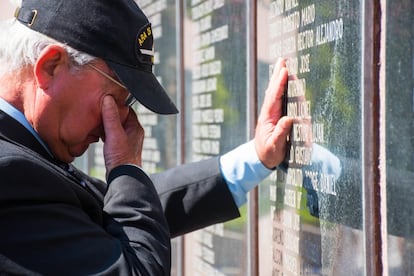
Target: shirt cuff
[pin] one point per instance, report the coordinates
(242, 171)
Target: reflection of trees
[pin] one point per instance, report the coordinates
(231, 94)
(333, 87)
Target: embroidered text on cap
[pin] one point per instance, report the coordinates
(145, 45)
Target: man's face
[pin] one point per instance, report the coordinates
(68, 113)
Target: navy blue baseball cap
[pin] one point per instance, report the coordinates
(116, 31)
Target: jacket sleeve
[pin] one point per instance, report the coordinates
(134, 216)
(54, 226)
(194, 196)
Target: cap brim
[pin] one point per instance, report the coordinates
(145, 88)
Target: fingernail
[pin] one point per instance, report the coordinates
(107, 100)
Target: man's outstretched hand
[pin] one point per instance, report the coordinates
(272, 129)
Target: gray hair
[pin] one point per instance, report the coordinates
(21, 46)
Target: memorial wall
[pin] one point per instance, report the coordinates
(309, 216)
(399, 131)
(311, 206)
(161, 149)
(216, 114)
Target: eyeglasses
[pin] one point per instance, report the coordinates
(130, 100)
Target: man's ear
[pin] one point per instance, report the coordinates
(52, 60)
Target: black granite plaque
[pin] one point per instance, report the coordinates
(161, 149)
(311, 207)
(216, 114)
(400, 136)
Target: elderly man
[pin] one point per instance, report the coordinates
(68, 73)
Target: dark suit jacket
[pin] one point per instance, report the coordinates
(55, 220)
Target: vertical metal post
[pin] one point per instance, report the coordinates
(383, 146)
(371, 135)
(181, 129)
(253, 214)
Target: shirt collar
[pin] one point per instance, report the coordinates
(19, 116)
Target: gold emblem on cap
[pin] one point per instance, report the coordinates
(144, 35)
